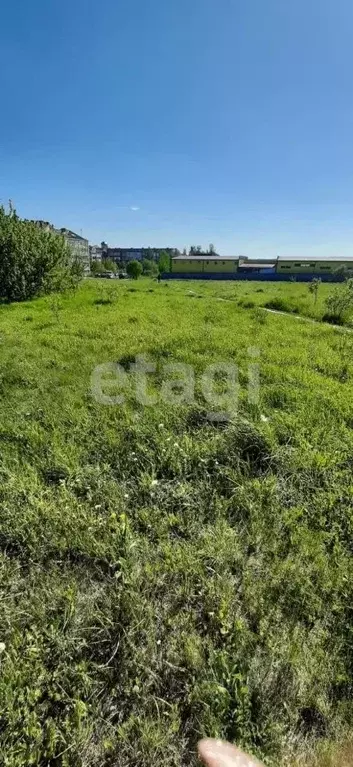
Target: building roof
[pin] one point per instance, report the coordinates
(72, 235)
(210, 257)
(204, 253)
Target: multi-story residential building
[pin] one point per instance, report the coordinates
(79, 247)
(124, 254)
(96, 253)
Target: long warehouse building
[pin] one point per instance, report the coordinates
(211, 266)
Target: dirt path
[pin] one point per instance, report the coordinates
(343, 328)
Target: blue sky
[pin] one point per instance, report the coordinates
(171, 122)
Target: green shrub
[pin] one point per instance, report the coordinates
(340, 302)
(333, 318)
(278, 305)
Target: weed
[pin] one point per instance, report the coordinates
(259, 315)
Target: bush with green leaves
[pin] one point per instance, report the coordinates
(340, 302)
(32, 261)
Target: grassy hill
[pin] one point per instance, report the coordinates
(165, 576)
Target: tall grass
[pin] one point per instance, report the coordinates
(164, 577)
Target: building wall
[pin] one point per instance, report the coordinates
(80, 249)
(312, 267)
(200, 276)
(187, 265)
(95, 252)
(285, 268)
(124, 254)
(217, 266)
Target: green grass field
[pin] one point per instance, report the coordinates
(291, 297)
(164, 576)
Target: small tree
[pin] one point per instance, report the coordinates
(134, 269)
(149, 268)
(164, 262)
(96, 267)
(314, 287)
(109, 265)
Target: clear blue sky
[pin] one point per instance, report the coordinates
(224, 121)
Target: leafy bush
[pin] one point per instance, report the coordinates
(332, 318)
(32, 261)
(278, 305)
(340, 302)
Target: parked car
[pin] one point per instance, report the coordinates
(106, 275)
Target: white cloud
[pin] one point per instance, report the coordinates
(133, 207)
